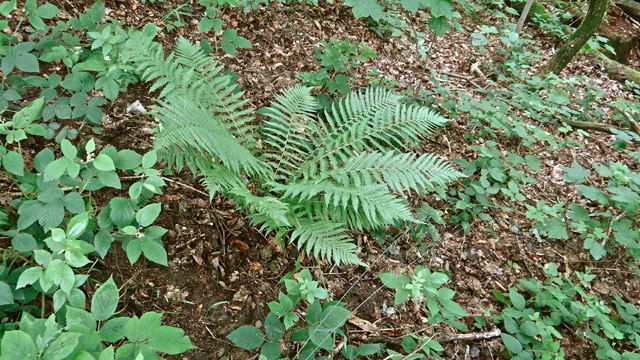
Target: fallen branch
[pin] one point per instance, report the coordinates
(440, 338)
(607, 128)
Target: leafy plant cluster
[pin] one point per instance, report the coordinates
(605, 216)
(56, 229)
(338, 59)
(320, 328)
(539, 315)
(101, 68)
(425, 288)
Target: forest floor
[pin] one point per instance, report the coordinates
(222, 272)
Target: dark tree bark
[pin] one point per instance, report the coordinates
(588, 27)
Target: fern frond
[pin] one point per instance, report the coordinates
(393, 126)
(372, 202)
(287, 132)
(191, 128)
(402, 172)
(267, 212)
(325, 240)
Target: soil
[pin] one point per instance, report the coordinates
(222, 272)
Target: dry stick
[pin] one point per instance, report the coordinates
(441, 339)
(586, 125)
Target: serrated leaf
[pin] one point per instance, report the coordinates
(28, 63)
(511, 343)
(105, 300)
(440, 25)
(148, 214)
(104, 162)
(13, 163)
(169, 340)
(6, 295)
(29, 276)
(595, 248)
(273, 327)
(17, 344)
(364, 8)
(47, 11)
(24, 242)
(576, 173)
(154, 251)
(246, 337)
(113, 329)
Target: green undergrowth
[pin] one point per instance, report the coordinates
(322, 162)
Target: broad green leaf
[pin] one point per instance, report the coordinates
(169, 340)
(134, 249)
(102, 242)
(42, 159)
(51, 215)
(82, 317)
(24, 242)
(595, 248)
(149, 159)
(576, 173)
(13, 163)
(28, 62)
(77, 225)
(110, 179)
(246, 337)
(6, 7)
(122, 211)
(393, 281)
(364, 8)
(453, 307)
(517, 300)
(334, 316)
(113, 329)
(441, 26)
(555, 229)
(55, 169)
(127, 159)
(270, 351)
(104, 163)
(154, 251)
(441, 8)
(511, 343)
(108, 353)
(29, 276)
(6, 295)
(17, 344)
(47, 11)
(593, 193)
(105, 300)
(29, 212)
(148, 214)
(74, 203)
(273, 327)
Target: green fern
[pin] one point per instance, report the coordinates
(313, 177)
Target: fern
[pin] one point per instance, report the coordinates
(314, 176)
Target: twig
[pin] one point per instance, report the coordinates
(186, 186)
(633, 125)
(441, 339)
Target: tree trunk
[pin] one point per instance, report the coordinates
(588, 27)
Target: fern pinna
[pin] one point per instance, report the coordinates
(315, 176)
